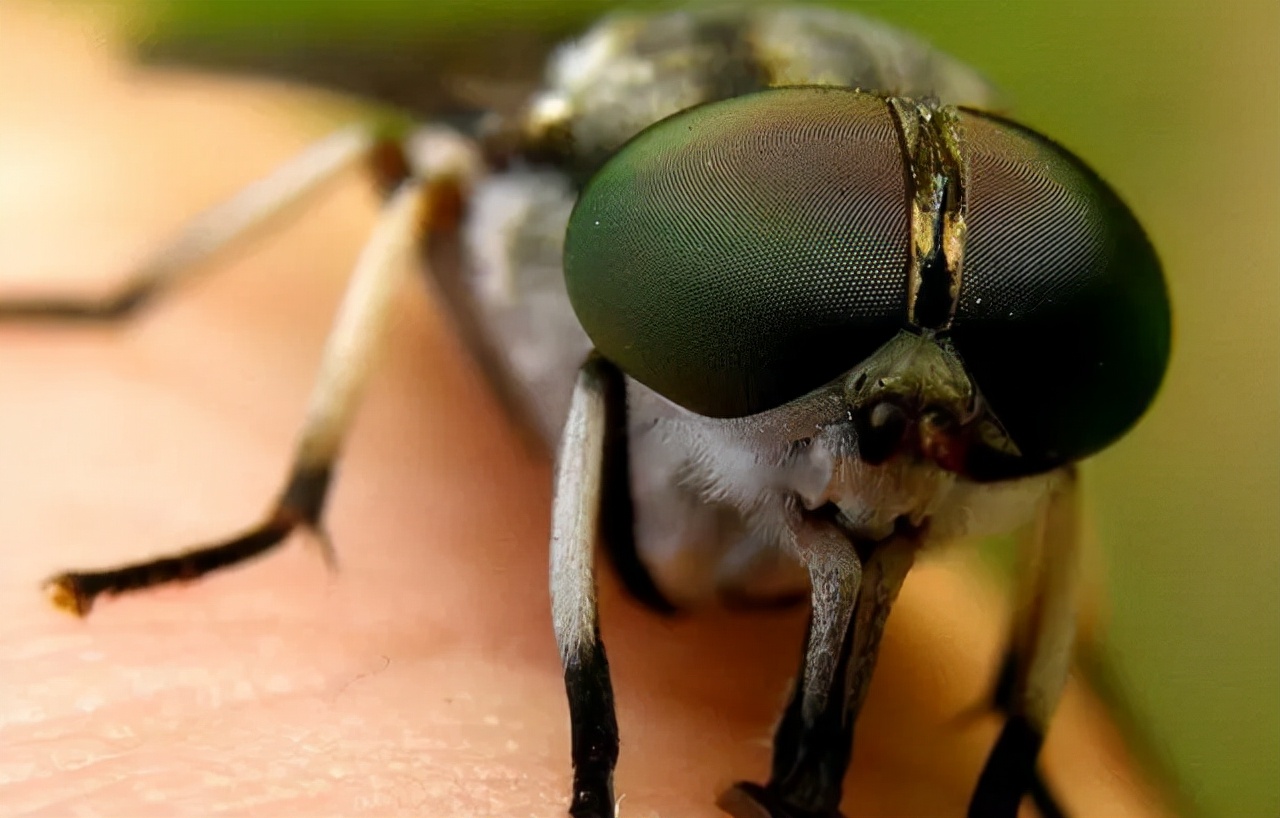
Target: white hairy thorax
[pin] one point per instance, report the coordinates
(718, 502)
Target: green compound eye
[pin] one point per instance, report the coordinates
(1063, 320)
(740, 254)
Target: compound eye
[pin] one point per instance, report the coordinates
(1063, 319)
(740, 254)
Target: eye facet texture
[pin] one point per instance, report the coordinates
(1063, 321)
(742, 253)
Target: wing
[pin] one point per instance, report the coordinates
(428, 59)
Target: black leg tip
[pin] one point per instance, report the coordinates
(748, 800)
(67, 593)
(593, 802)
(1010, 771)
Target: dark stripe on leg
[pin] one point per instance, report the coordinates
(617, 522)
(1047, 804)
(301, 505)
(75, 591)
(576, 525)
(594, 728)
(344, 368)
(1006, 679)
(810, 760)
(806, 779)
(1009, 771)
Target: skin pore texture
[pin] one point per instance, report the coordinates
(422, 677)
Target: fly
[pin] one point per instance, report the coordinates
(778, 276)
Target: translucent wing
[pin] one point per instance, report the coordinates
(429, 59)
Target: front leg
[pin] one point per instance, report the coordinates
(580, 490)
(1039, 659)
(853, 591)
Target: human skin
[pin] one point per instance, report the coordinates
(422, 676)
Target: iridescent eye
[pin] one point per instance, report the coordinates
(740, 254)
(1063, 320)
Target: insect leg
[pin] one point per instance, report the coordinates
(344, 370)
(1047, 803)
(883, 573)
(814, 741)
(222, 225)
(1039, 660)
(598, 398)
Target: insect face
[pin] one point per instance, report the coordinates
(739, 255)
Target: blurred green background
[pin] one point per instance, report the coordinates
(1176, 105)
